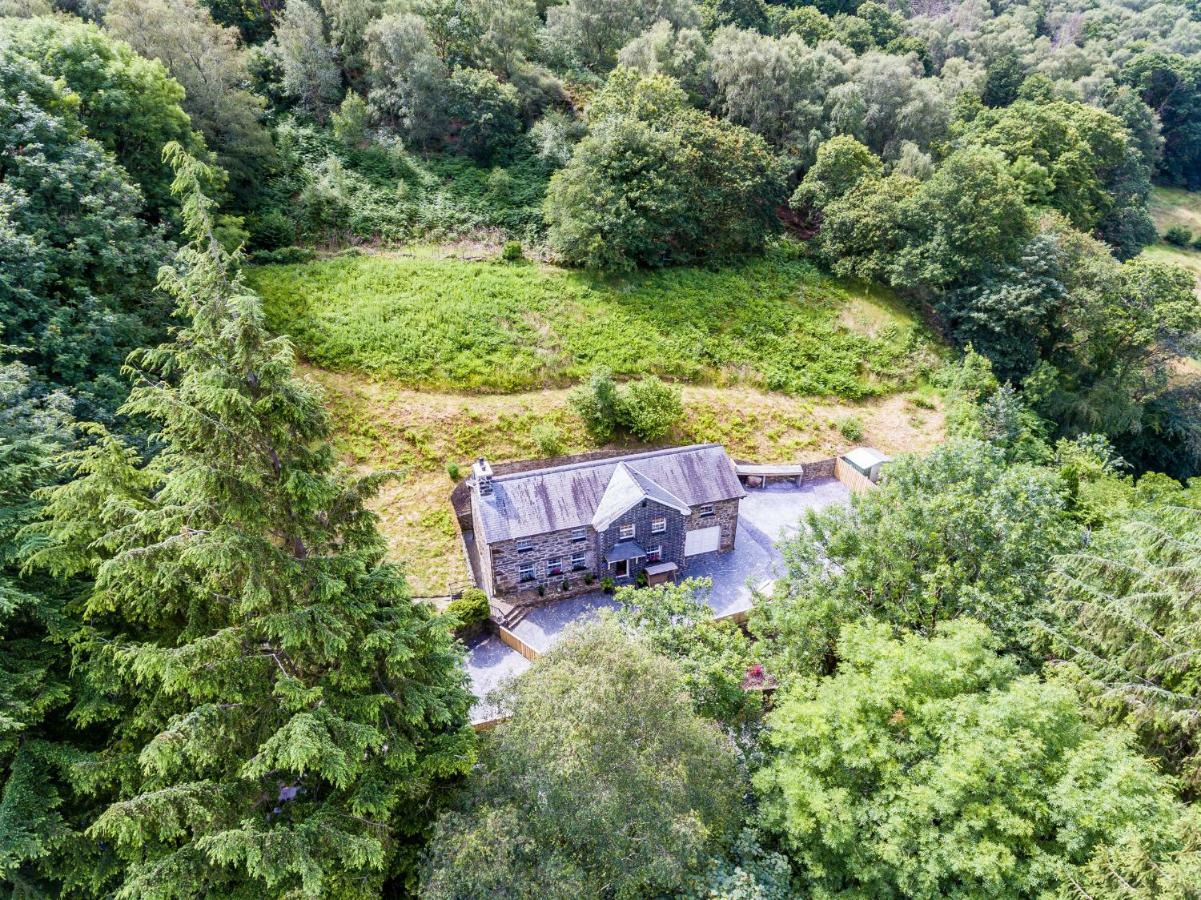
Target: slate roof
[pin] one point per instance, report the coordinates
(626, 488)
(524, 504)
(625, 550)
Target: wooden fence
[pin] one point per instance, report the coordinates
(848, 475)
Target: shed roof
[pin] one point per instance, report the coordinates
(864, 458)
(524, 504)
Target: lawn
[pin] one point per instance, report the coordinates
(425, 319)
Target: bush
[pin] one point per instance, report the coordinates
(597, 403)
(851, 428)
(452, 469)
(270, 230)
(284, 256)
(646, 408)
(608, 585)
(548, 438)
(649, 408)
(511, 252)
(1178, 236)
(470, 610)
(486, 111)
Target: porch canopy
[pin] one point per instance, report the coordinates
(624, 550)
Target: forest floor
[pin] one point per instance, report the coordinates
(398, 407)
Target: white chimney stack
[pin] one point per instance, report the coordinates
(483, 476)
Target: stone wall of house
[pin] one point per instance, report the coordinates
(725, 514)
(507, 560)
(641, 516)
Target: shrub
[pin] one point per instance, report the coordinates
(1178, 236)
(270, 230)
(470, 610)
(511, 252)
(608, 585)
(597, 403)
(851, 428)
(452, 469)
(649, 408)
(284, 256)
(548, 438)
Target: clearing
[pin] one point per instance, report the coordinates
(380, 425)
(1176, 206)
(430, 320)
(429, 360)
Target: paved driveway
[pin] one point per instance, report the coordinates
(764, 517)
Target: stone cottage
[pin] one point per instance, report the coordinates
(562, 530)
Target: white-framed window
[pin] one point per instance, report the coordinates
(655, 554)
(627, 531)
(707, 510)
(554, 566)
(659, 525)
(525, 572)
(579, 534)
(579, 561)
(525, 545)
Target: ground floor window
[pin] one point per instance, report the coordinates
(579, 561)
(655, 554)
(621, 568)
(554, 566)
(525, 572)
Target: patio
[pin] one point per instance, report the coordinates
(765, 516)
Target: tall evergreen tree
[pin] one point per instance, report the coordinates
(280, 710)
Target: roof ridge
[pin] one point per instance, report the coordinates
(607, 461)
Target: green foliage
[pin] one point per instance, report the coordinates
(603, 782)
(958, 533)
(713, 657)
(511, 251)
(1073, 158)
(548, 438)
(1178, 236)
(270, 707)
(447, 323)
(485, 111)
(77, 265)
(34, 658)
(656, 183)
(130, 105)
(851, 428)
(1125, 615)
(646, 408)
(589, 33)
(471, 609)
(841, 163)
(649, 409)
(926, 766)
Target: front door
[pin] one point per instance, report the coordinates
(621, 568)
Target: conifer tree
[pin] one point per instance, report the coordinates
(280, 710)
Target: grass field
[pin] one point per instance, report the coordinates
(1176, 206)
(427, 320)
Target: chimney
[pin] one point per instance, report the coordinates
(483, 476)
